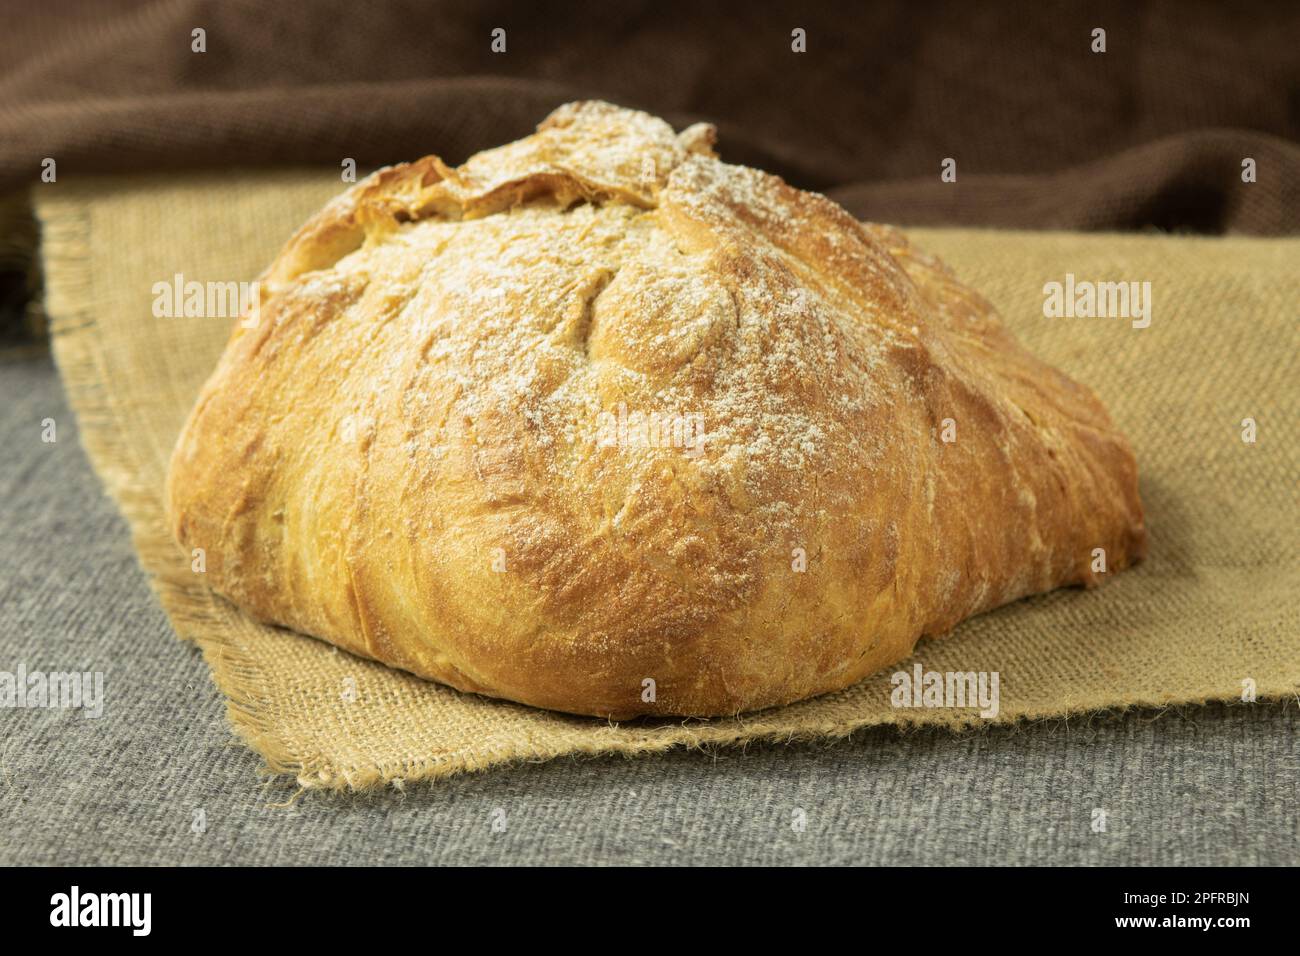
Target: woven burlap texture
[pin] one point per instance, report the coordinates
(1214, 608)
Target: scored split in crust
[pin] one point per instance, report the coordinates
(405, 457)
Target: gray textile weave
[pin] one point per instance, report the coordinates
(1214, 785)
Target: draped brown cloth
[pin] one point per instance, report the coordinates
(1046, 133)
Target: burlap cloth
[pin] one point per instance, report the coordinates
(1216, 603)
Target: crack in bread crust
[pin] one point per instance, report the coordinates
(408, 456)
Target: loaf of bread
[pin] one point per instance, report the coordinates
(597, 422)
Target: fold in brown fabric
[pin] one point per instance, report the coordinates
(1045, 132)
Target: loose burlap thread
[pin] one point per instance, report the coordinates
(1213, 613)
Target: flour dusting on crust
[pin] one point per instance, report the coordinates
(824, 446)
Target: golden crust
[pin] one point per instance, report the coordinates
(410, 455)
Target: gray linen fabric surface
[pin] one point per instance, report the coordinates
(159, 778)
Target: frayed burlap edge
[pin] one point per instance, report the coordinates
(199, 616)
(736, 732)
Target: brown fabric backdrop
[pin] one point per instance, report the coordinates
(1046, 133)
